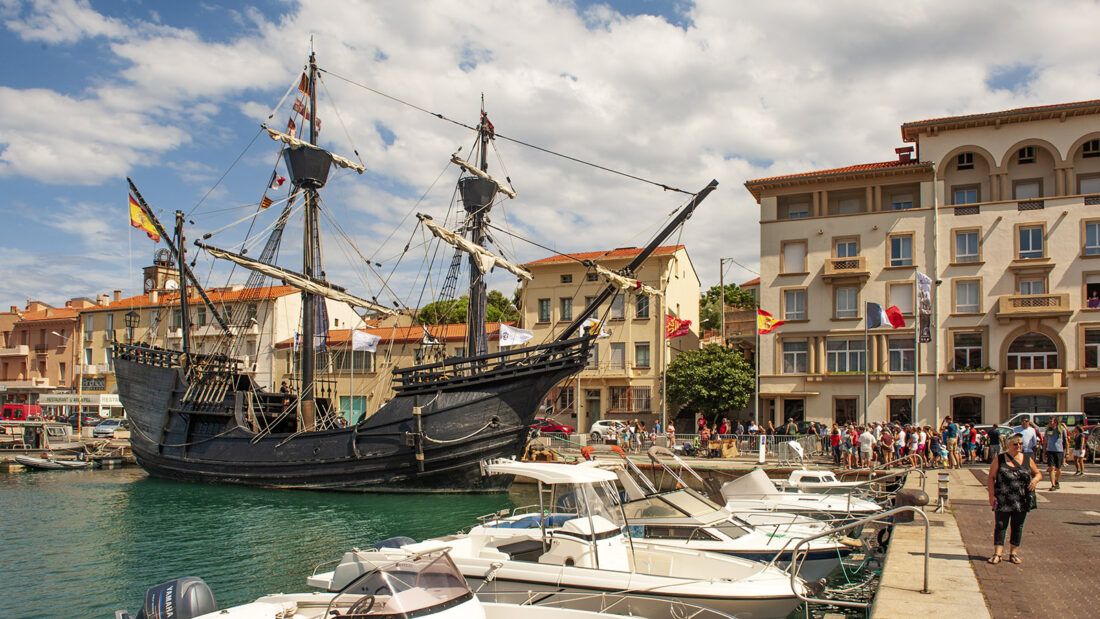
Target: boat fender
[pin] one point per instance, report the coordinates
(182, 598)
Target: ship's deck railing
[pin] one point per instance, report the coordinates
(470, 366)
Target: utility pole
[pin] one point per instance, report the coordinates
(722, 305)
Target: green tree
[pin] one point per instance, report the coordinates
(710, 313)
(710, 381)
(499, 308)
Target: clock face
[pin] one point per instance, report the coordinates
(149, 283)
(171, 284)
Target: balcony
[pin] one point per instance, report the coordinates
(1034, 380)
(1033, 306)
(21, 350)
(840, 268)
(94, 369)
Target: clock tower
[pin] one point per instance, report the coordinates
(162, 275)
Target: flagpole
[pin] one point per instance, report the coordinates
(866, 366)
(916, 361)
(351, 388)
(758, 399)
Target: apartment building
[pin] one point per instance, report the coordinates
(1002, 212)
(36, 350)
(623, 377)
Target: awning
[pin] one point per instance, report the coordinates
(788, 394)
(1027, 390)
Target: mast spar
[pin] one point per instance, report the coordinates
(310, 257)
(477, 198)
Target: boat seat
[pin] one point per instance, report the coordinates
(523, 550)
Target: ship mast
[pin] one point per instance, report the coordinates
(185, 318)
(311, 251)
(476, 340)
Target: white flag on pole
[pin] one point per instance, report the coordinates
(361, 340)
(511, 336)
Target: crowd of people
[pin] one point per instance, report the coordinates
(949, 446)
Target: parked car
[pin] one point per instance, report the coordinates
(107, 427)
(606, 429)
(1041, 420)
(87, 420)
(543, 424)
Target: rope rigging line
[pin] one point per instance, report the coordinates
(510, 139)
(226, 173)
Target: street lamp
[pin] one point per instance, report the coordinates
(132, 319)
(722, 302)
(77, 373)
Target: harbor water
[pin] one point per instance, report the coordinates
(78, 544)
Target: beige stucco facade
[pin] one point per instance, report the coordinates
(1001, 212)
(623, 380)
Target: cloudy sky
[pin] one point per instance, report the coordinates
(172, 94)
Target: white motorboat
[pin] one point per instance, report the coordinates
(685, 518)
(575, 544)
(754, 492)
(42, 464)
(821, 481)
(417, 585)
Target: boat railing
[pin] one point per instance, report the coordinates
(880, 518)
(905, 470)
(470, 366)
(611, 603)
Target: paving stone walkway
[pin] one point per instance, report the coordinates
(1060, 550)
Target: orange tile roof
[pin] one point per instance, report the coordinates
(910, 130)
(455, 332)
(619, 253)
(217, 295)
(52, 313)
(756, 185)
(752, 282)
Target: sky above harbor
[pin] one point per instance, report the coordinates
(173, 94)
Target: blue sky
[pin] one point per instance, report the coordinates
(172, 93)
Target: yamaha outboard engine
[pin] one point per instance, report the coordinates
(182, 598)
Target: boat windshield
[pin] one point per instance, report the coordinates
(600, 498)
(690, 502)
(405, 588)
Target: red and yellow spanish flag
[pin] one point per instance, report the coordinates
(766, 323)
(140, 220)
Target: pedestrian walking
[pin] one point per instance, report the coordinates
(1055, 440)
(866, 447)
(1031, 438)
(994, 442)
(1012, 479)
(1079, 450)
(834, 442)
(950, 431)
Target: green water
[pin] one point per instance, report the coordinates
(85, 543)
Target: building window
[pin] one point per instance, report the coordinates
(966, 246)
(844, 411)
(565, 307)
(566, 398)
(794, 208)
(967, 296)
(794, 409)
(1032, 351)
(544, 310)
(901, 295)
(177, 319)
(88, 359)
(968, 353)
(795, 356)
(642, 401)
(567, 278)
(1088, 184)
(620, 398)
(252, 313)
(201, 317)
(109, 358)
(794, 304)
(110, 324)
(901, 410)
(967, 194)
(618, 356)
(901, 201)
(1091, 149)
(641, 306)
(965, 161)
(89, 326)
(847, 302)
(902, 356)
(1033, 285)
(1092, 348)
(966, 409)
(847, 206)
(846, 248)
(901, 251)
(1092, 290)
(845, 355)
(590, 277)
(593, 357)
(1026, 155)
(1031, 242)
(793, 257)
(641, 355)
(618, 307)
(1030, 189)
(1092, 238)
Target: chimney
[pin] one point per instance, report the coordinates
(905, 153)
(13, 309)
(154, 296)
(118, 295)
(102, 299)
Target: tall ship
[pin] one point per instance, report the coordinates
(201, 417)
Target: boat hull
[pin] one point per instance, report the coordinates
(460, 426)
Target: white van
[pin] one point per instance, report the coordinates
(1041, 420)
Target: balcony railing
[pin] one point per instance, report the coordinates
(1033, 379)
(855, 266)
(1033, 305)
(21, 350)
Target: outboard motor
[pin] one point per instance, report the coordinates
(182, 598)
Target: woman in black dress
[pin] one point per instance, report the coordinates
(1012, 478)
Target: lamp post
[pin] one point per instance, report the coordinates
(722, 297)
(132, 319)
(77, 374)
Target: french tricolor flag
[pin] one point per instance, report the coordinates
(877, 317)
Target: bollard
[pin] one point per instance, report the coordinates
(944, 479)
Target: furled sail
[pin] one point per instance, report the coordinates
(484, 258)
(625, 283)
(295, 143)
(472, 169)
(298, 280)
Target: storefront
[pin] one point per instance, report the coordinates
(60, 405)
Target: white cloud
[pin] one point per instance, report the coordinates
(59, 21)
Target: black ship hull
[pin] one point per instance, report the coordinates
(466, 417)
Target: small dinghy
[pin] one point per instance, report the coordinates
(42, 464)
(74, 464)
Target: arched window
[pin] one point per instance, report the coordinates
(966, 409)
(1032, 351)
